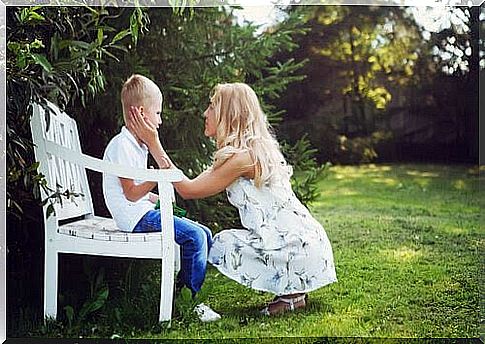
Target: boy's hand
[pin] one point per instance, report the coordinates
(143, 129)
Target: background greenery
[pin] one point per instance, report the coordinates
(377, 90)
(339, 84)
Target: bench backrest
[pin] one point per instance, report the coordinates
(62, 130)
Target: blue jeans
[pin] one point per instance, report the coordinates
(195, 241)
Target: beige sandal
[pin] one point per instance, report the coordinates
(290, 304)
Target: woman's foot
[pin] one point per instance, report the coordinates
(285, 303)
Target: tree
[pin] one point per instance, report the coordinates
(458, 52)
(356, 55)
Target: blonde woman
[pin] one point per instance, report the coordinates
(282, 248)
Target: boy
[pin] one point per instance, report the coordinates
(131, 203)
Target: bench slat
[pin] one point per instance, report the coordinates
(104, 229)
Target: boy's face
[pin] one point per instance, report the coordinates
(152, 113)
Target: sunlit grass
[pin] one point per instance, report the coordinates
(460, 184)
(406, 241)
(421, 174)
(386, 181)
(403, 254)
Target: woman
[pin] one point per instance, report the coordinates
(283, 249)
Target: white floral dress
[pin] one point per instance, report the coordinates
(282, 250)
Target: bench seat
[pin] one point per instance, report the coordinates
(104, 229)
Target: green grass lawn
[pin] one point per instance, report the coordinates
(406, 241)
(406, 244)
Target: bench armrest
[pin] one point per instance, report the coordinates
(86, 161)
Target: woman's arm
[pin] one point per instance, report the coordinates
(212, 181)
(208, 183)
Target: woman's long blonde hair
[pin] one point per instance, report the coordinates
(242, 126)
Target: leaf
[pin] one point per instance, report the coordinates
(34, 166)
(50, 210)
(13, 47)
(110, 55)
(24, 13)
(80, 44)
(37, 44)
(99, 279)
(21, 61)
(34, 16)
(134, 26)
(43, 62)
(36, 191)
(69, 314)
(54, 50)
(120, 35)
(91, 306)
(16, 205)
(100, 35)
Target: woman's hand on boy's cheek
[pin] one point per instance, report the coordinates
(145, 131)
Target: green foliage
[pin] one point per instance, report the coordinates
(368, 43)
(88, 308)
(307, 170)
(361, 149)
(57, 54)
(179, 6)
(98, 296)
(56, 196)
(184, 306)
(358, 59)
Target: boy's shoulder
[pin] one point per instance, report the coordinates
(117, 138)
(119, 141)
(114, 141)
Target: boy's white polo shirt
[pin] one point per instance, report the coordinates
(123, 149)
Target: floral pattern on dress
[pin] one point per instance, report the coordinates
(282, 248)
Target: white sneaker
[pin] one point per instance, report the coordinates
(205, 313)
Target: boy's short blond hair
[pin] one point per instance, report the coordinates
(139, 90)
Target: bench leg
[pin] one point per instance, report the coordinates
(50, 283)
(166, 290)
(177, 259)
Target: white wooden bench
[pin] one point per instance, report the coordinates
(58, 150)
